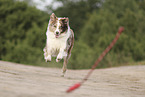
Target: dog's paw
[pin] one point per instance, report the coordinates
(59, 57)
(58, 60)
(62, 75)
(48, 58)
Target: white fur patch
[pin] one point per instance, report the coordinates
(55, 44)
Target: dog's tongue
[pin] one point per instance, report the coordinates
(56, 36)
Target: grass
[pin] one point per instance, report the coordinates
(133, 63)
(54, 64)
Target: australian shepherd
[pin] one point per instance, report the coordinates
(60, 40)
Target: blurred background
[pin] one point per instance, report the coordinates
(23, 25)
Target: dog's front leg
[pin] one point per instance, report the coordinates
(60, 55)
(47, 54)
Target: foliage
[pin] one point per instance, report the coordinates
(95, 23)
(100, 29)
(22, 32)
(76, 11)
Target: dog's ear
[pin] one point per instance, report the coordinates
(53, 16)
(65, 21)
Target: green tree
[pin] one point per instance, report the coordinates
(22, 32)
(101, 27)
(77, 11)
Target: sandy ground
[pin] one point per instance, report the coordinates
(18, 80)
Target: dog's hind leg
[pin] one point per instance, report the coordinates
(64, 68)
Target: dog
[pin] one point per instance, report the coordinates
(60, 40)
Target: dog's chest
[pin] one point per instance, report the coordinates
(56, 43)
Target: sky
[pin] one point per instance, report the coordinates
(42, 3)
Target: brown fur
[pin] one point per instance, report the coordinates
(53, 23)
(70, 43)
(63, 29)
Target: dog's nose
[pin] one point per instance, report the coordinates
(57, 33)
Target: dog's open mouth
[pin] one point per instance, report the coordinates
(56, 36)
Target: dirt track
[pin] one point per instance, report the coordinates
(18, 80)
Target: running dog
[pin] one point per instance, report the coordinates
(60, 40)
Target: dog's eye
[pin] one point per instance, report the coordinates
(54, 26)
(60, 27)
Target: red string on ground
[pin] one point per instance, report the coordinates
(120, 30)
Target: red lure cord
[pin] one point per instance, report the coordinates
(77, 85)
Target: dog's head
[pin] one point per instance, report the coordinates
(58, 26)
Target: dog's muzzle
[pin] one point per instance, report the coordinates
(57, 34)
